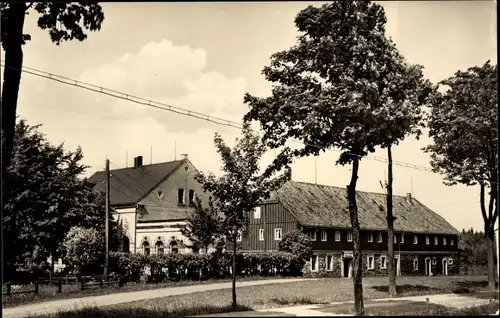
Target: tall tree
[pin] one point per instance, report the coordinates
(329, 93)
(202, 227)
(46, 198)
(401, 98)
(463, 124)
(64, 22)
(241, 187)
(474, 248)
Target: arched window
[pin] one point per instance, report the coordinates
(174, 247)
(160, 248)
(146, 248)
(126, 244)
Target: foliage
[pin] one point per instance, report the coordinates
(202, 226)
(177, 267)
(474, 247)
(85, 250)
(299, 245)
(46, 197)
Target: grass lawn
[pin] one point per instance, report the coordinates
(321, 291)
(49, 292)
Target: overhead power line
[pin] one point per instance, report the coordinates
(178, 110)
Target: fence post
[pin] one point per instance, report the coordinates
(427, 300)
(82, 281)
(59, 286)
(36, 286)
(8, 289)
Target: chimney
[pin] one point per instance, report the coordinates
(184, 156)
(138, 162)
(408, 197)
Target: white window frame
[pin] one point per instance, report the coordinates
(444, 240)
(402, 240)
(370, 238)
(368, 262)
(427, 240)
(329, 263)
(349, 236)
(415, 264)
(278, 234)
(261, 234)
(395, 239)
(256, 212)
(450, 261)
(379, 237)
(317, 263)
(323, 235)
(312, 235)
(382, 263)
(436, 240)
(452, 241)
(415, 239)
(337, 236)
(434, 261)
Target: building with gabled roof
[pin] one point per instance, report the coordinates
(152, 202)
(425, 243)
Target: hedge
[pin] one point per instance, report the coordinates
(175, 267)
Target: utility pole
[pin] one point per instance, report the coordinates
(106, 222)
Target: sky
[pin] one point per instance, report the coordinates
(204, 57)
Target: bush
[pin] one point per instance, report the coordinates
(176, 267)
(298, 244)
(85, 250)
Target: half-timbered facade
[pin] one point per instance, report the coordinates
(425, 243)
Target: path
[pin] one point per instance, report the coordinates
(113, 299)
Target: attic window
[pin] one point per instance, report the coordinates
(349, 236)
(370, 238)
(160, 194)
(436, 241)
(180, 196)
(191, 197)
(452, 241)
(415, 239)
(379, 237)
(444, 240)
(427, 240)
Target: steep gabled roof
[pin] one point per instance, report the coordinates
(129, 185)
(326, 206)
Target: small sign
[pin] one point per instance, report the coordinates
(348, 255)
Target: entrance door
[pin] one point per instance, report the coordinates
(428, 269)
(445, 266)
(347, 267)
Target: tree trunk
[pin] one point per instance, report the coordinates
(490, 236)
(357, 266)
(13, 41)
(390, 230)
(234, 272)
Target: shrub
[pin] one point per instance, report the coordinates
(129, 265)
(84, 250)
(300, 246)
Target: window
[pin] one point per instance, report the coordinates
(444, 240)
(415, 264)
(174, 247)
(191, 197)
(370, 238)
(452, 241)
(256, 212)
(379, 238)
(277, 234)
(370, 261)
(238, 237)
(160, 194)
(160, 249)
(402, 240)
(450, 261)
(434, 261)
(349, 236)
(436, 241)
(415, 239)
(146, 248)
(180, 196)
(261, 234)
(329, 262)
(383, 262)
(427, 240)
(337, 236)
(395, 238)
(312, 235)
(324, 235)
(314, 263)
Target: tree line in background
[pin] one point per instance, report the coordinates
(343, 85)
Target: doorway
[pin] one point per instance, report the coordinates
(445, 266)
(428, 268)
(347, 262)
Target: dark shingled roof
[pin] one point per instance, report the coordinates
(326, 206)
(129, 185)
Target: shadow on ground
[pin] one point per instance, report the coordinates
(469, 286)
(142, 312)
(406, 289)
